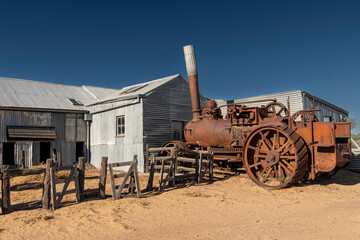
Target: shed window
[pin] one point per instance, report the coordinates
(327, 119)
(120, 125)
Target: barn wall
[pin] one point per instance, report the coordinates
(103, 140)
(70, 128)
(326, 110)
(168, 102)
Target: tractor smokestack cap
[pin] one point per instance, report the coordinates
(190, 59)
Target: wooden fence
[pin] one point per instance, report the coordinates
(132, 173)
(51, 198)
(6, 174)
(178, 165)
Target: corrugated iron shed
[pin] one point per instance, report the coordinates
(19, 93)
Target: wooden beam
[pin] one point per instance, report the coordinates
(5, 189)
(160, 149)
(102, 182)
(53, 188)
(112, 182)
(81, 176)
(147, 158)
(120, 164)
(27, 186)
(26, 172)
(47, 192)
(149, 186)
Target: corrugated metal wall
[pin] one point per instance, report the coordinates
(70, 128)
(168, 102)
(296, 103)
(219, 103)
(355, 164)
(328, 111)
(103, 139)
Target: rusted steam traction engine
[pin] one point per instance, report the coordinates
(275, 148)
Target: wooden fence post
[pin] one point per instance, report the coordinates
(173, 171)
(197, 167)
(5, 189)
(47, 191)
(211, 165)
(103, 172)
(147, 159)
(81, 176)
(151, 173)
(22, 159)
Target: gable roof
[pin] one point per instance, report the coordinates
(29, 94)
(136, 90)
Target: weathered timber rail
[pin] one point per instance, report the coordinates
(178, 165)
(50, 198)
(6, 188)
(57, 197)
(132, 173)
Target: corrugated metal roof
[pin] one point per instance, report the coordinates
(20, 93)
(136, 90)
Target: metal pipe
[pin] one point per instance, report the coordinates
(88, 141)
(191, 67)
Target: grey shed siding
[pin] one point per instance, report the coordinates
(336, 115)
(168, 102)
(70, 128)
(103, 139)
(355, 163)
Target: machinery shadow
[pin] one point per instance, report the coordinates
(342, 177)
(218, 176)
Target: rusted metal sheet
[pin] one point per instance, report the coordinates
(20, 132)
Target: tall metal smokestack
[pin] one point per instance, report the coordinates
(190, 59)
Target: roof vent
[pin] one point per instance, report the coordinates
(75, 102)
(133, 89)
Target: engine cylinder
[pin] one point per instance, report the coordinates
(210, 133)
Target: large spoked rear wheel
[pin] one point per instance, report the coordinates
(275, 157)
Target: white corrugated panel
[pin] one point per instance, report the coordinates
(296, 102)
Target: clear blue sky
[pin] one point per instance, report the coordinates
(244, 48)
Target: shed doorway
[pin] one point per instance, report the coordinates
(79, 150)
(177, 130)
(45, 151)
(8, 156)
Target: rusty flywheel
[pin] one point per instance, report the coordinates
(275, 157)
(173, 143)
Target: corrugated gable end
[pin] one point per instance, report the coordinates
(328, 110)
(168, 102)
(156, 116)
(296, 101)
(180, 103)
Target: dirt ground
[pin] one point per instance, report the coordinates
(230, 208)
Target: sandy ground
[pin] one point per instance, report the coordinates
(231, 208)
